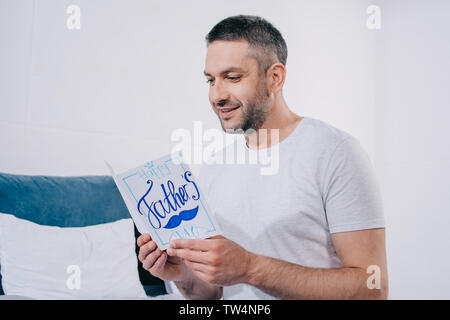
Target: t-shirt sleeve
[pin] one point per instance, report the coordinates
(350, 190)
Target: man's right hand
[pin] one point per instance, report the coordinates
(158, 263)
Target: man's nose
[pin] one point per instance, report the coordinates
(218, 94)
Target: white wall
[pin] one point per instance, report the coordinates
(118, 87)
(412, 144)
(71, 98)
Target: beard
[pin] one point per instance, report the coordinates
(254, 113)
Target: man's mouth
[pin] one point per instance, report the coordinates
(226, 113)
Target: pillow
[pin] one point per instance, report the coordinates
(47, 262)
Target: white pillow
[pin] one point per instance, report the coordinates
(46, 262)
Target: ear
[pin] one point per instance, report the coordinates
(276, 75)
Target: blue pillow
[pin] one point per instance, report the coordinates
(68, 202)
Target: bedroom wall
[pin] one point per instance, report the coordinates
(119, 86)
(412, 150)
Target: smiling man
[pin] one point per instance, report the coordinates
(309, 231)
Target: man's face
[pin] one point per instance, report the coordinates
(238, 93)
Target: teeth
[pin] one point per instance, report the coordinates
(228, 110)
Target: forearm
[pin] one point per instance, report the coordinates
(195, 288)
(290, 281)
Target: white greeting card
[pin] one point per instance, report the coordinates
(165, 201)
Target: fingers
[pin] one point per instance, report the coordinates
(149, 261)
(152, 258)
(202, 271)
(193, 244)
(217, 237)
(143, 239)
(158, 266)
(190, 255)
(146, 249)
(198, 267)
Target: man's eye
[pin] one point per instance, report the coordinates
(234, 78)
(209, 81)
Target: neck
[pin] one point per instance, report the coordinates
(280, 123)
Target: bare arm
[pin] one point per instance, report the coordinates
(223, 262)
(357, 250)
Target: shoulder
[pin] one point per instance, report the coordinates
(333, 149)
(322, 133)
(323, 140)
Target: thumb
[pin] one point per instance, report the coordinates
(217, 237)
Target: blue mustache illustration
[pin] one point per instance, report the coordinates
(185, 215)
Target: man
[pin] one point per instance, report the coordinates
(309, 231)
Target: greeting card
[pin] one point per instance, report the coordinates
(165, 201)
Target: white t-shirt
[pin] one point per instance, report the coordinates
(324, 184)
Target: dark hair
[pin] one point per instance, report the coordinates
(260, 34)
